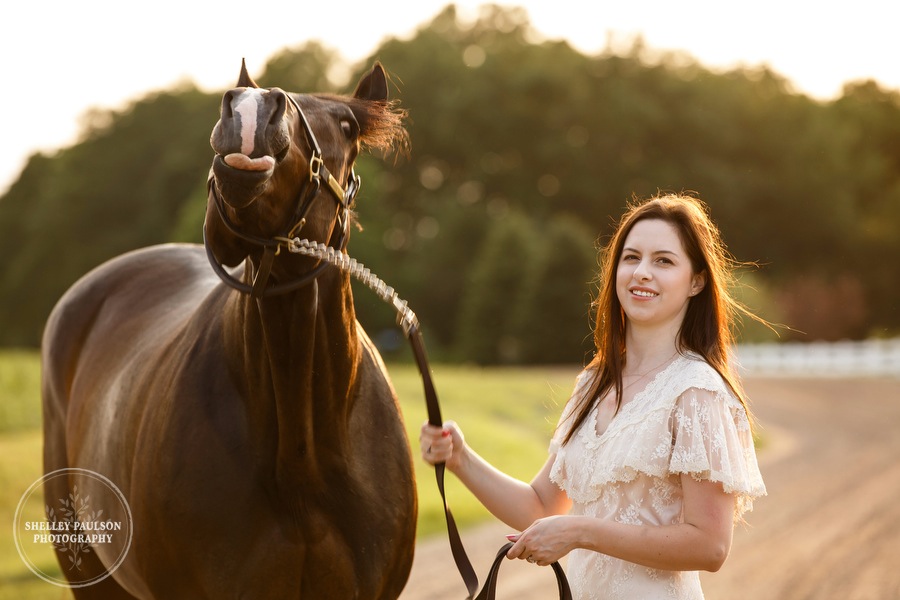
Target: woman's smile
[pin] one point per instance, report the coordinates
(644, 293)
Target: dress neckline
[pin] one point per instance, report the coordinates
(628, 407)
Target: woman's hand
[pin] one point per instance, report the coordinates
(545, 541)
(442, 444)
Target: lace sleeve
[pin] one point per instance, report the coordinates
(712, 440)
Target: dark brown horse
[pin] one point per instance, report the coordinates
(250, 424)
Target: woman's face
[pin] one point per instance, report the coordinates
(654, 277)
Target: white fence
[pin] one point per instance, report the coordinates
(835, 359)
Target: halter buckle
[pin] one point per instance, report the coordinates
(315, 166)
(295, 229)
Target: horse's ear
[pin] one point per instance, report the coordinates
(373, 85)
(244, 79)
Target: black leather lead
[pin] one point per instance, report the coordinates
(489, 591)
(434, 418)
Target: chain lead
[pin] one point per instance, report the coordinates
(406, 318)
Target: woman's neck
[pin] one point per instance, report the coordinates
(648, 350)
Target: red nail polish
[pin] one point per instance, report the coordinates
(445, 433)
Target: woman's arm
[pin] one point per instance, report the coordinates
(516, 503)
(701, 542)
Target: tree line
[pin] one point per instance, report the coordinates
(522, 154)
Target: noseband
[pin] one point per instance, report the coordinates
(318, 173)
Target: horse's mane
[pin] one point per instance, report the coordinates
(380, 123)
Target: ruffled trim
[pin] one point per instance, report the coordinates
(685, 420)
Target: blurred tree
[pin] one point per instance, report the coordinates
(118, 189)
(311, 67)
(554, 319)
(488, 329)
(870, 117)
(834, 307)
(501, 124)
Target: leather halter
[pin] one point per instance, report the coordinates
(272, 246)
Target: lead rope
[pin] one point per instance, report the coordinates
(408, 322)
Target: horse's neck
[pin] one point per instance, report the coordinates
(299, 354)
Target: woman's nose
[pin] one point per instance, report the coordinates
(642, 271)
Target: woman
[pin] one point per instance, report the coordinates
(653, 459)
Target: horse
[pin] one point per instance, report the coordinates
(228, 390)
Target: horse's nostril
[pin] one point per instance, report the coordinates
(279, 99)
(227, 110)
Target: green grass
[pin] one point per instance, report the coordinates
(20, 390)
(20, 465)
(507, 414)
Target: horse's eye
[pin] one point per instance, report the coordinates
(349, 128)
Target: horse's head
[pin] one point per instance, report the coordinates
(284, 163)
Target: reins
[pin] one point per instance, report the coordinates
(335, 255)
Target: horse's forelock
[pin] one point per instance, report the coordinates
(383, 128)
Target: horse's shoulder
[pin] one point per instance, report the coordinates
(173, 257)
(140, 282)
(145, 269)
(373, 373)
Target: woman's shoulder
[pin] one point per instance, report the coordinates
(692, 371)
(585, 376)
(689, 370)
(583, 382)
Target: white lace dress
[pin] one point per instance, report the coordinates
(685, 420)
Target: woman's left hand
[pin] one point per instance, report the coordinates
(545, 541)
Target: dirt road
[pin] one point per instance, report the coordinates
(828, 530)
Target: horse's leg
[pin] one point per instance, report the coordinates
(107, 589)
(55, 407)
(90, 567)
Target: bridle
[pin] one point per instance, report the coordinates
(333, 254)
(318, 173)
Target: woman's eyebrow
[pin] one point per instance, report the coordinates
(654, 252)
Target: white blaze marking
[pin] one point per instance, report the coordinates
(246, 106)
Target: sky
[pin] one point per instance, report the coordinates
(61, 58)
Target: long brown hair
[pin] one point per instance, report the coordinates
(708, 328)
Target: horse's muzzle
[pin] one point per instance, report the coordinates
(240, 187)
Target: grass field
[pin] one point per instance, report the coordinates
(508, 414)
